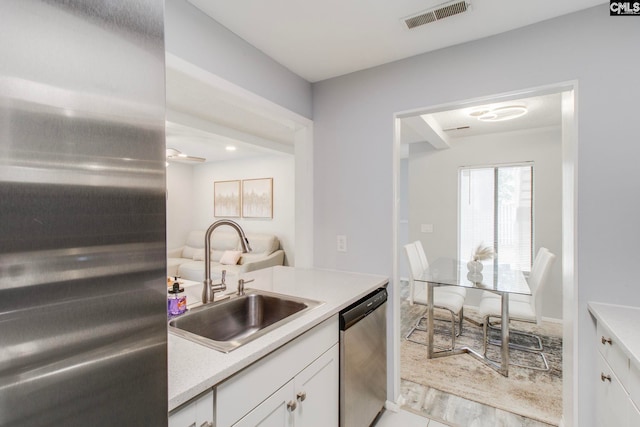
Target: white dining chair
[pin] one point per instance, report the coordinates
(451, 289)
(531, 280)
(524, 308)
(449, 301)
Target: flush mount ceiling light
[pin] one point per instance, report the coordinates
(500, 114)
(177, 156)
(230, 148)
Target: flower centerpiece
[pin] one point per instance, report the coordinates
(480, 254)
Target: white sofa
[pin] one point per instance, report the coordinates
(187, 261)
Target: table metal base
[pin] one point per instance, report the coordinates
(502, 367)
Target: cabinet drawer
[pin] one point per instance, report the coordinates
(611, 352)
(634, 415)
(195, 413)
(633, 384)
(245, 390)
(612, 401)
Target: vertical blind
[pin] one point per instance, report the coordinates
(496, 209)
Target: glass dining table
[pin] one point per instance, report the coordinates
(497, 278)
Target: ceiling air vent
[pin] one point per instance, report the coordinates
(435, 14)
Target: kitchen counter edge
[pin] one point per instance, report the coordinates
(621, 321)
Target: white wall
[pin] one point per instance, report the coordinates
(194, 188)
(433, 194)
(403, 218)
(180, 198)
(196, 38)
(353, 121)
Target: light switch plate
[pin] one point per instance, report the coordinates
(341, 241)
(426, 228)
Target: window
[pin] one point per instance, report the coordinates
(496, 209)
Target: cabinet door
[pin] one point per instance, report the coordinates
(316, 391)
(611, 398)
(634, 415)
(277, 411)
(197, 413)
(185, 417)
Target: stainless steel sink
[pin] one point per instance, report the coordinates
(230, 323)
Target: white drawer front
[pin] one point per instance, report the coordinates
(634, 415)
(610, 349)
(633, 384)
(612, 401)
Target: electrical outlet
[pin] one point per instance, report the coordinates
(341, 243)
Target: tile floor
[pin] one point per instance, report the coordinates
(404, 418)
(457, 411)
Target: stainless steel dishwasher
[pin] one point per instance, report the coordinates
(363, 360)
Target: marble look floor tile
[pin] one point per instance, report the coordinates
(456, 411)
(402, 418)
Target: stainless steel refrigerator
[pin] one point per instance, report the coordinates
(82, 213)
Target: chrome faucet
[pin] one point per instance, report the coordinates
(209, 289)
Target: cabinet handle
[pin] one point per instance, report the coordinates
(292, 405)
(301, 396)
(606, 340)
(604, 377)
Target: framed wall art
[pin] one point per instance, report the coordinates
(226, 198)
(257, 198)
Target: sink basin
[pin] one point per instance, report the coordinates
(230, 323)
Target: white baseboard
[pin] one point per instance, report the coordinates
(394, 406)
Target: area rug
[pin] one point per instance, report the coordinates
(530, 393)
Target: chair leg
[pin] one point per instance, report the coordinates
(486, 341)
(535, 337)
(416, 327)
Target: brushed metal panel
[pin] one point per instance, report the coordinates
(82, 229)
(363, 369)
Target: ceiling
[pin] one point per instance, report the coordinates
(203, 120)
(317, 40)
(322, 39)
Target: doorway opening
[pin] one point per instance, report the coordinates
(423, 132)
(205, 115)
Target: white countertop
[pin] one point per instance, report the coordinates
(194, 368)
(622, 321)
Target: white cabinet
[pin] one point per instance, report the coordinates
(611, 398)
(296, 385)
(308, 400)
(617, 382)
(198, 412)
(317, 389)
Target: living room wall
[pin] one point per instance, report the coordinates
(433, 194)
(190, 197)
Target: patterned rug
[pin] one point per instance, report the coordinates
(527, 392)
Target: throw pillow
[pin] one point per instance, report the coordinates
(230, 257)
(198, 255)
